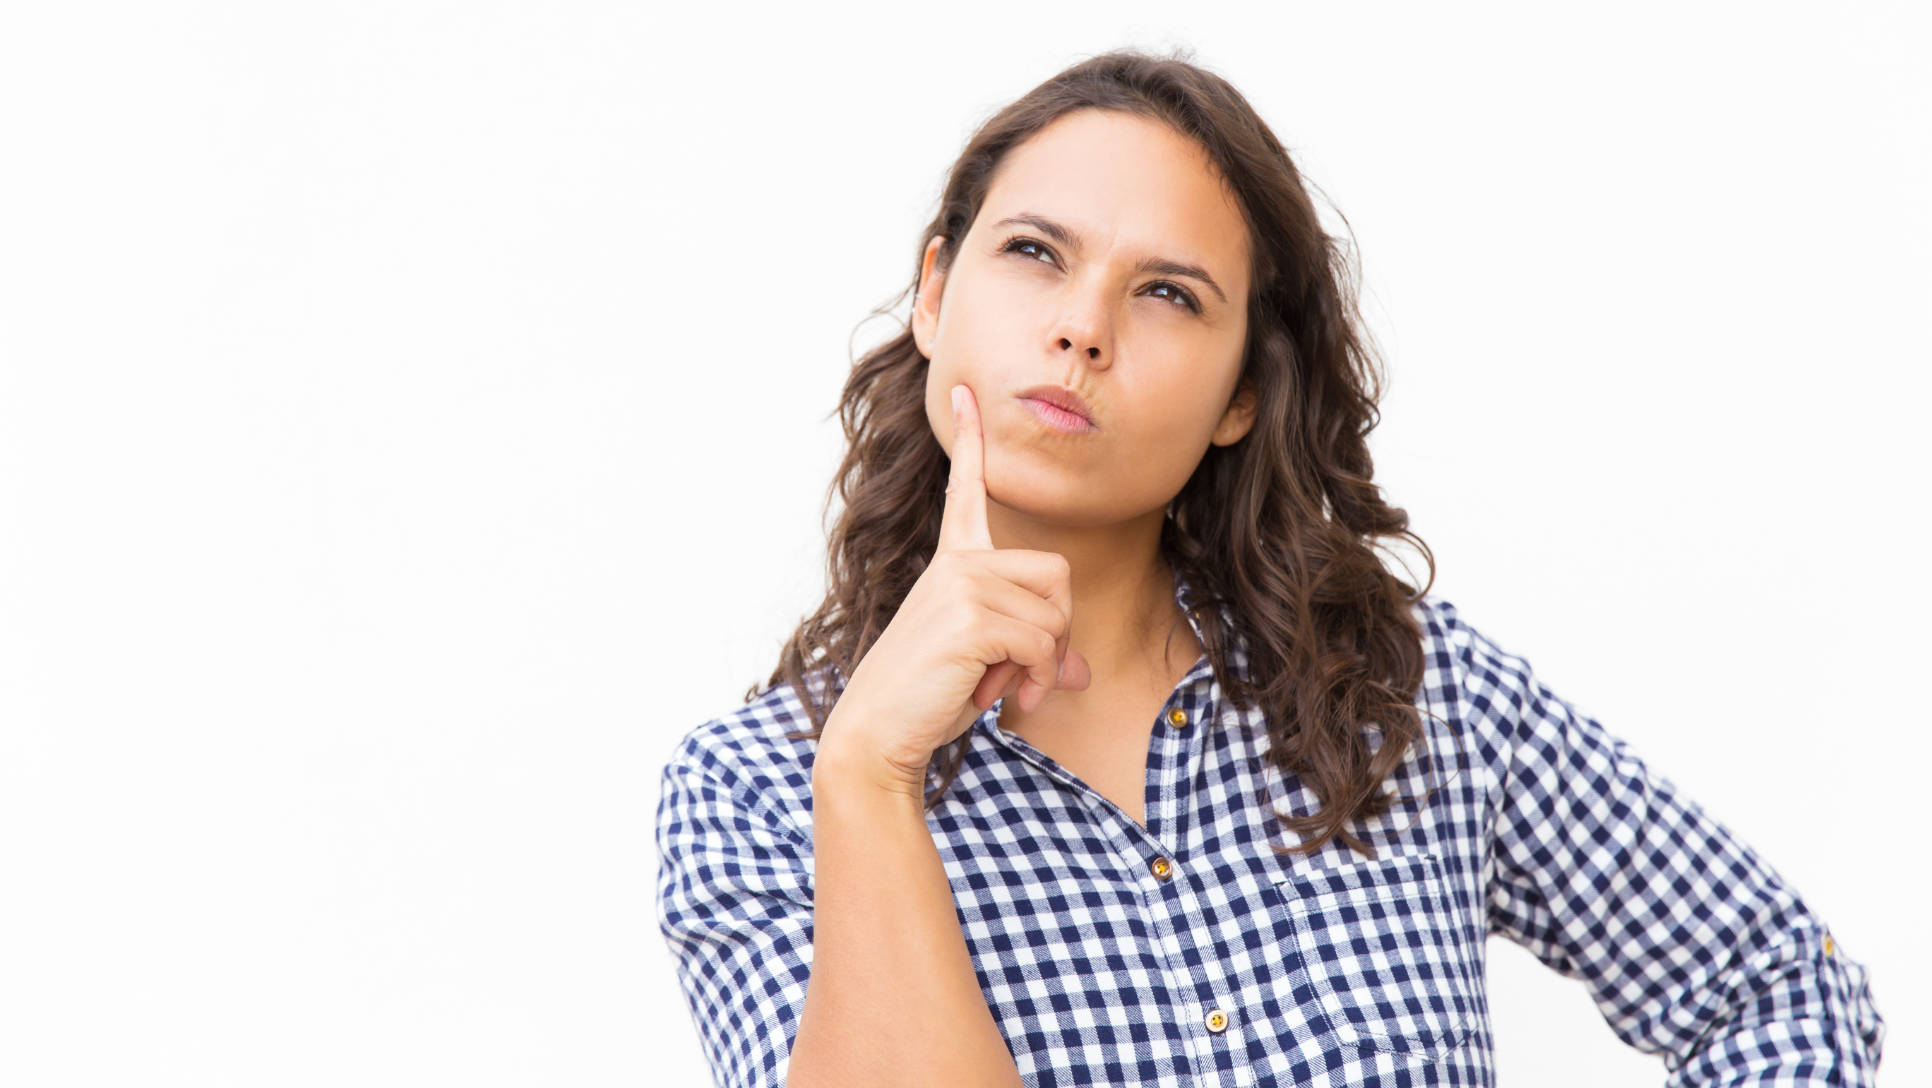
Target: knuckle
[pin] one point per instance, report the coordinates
(961, 569)
(963, 616)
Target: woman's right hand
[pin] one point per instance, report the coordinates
(979, 623)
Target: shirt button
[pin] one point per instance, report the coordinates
(1828, 946)
(1217, 1020)
(1177, 718)
(1162, 868)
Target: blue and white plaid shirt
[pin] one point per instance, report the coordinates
(1186, 952)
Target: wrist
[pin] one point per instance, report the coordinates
(845, 761)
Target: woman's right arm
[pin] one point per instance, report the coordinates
(893, 998)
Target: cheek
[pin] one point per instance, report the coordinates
(941, 376)
(987, 307)
(1183, 412)
(939, 404)
(1169, 450)
(1170, 436)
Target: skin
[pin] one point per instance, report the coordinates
(1163, 382)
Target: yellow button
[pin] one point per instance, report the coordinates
(1828, 946)
(1217, 1020)
(1178, 718)
(1162, 868)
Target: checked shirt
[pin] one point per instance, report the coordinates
(1186, 952)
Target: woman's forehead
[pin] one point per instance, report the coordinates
(1125, 184)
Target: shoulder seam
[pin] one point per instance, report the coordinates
(729, 781)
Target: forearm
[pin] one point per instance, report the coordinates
(1797, 1012)
(892, 998)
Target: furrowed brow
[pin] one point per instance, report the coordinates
(1067, 238)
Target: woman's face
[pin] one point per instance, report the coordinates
(1154, 351)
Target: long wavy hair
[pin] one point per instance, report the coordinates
(1279, 528)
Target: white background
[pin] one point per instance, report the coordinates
(415, 417)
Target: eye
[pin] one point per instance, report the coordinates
(1181, 297)
(1186, 299)
(1013, 244)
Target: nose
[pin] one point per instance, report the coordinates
(1083, 332)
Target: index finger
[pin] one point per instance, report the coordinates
(962, 524)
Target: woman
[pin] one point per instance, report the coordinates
(1116, 755)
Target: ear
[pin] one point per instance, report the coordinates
(1239, 418)
(925, 305)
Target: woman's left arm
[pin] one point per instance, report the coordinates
(1691, 944)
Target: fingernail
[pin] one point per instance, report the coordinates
(957, 403)
(1061, 676)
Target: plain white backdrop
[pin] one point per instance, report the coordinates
(415, 417)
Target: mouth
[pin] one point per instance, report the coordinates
(1060, 409)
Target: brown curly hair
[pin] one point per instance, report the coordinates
(1279, 528)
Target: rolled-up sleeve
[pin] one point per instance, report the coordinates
(1692, 946)
(735, 906)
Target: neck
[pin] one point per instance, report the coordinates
(1123, 593)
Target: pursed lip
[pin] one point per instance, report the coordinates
(1060, 398)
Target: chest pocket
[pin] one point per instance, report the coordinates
(1384, 953)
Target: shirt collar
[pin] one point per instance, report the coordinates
(1236, 651)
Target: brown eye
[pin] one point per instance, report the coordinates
(1185, 299)
(1013, 246)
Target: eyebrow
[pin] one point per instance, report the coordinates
(1066, 237)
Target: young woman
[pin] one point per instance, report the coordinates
(1116, 755)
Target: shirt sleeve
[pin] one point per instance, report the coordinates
(735, 906)
(1691, 945)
